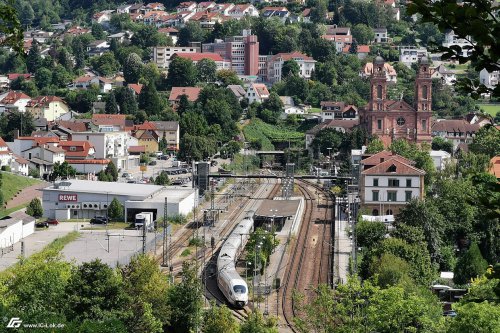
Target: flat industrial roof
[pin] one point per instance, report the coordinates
(89, 186)
(172, 193)
(277, 208)
(14, 218)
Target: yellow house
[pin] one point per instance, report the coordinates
(48, 107)
(149, 140)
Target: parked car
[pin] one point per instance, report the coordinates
(99, 220)
(152, 163)
(42, 225)
(159, 153)
(213, 163)
(52, 221)
(125, 175)
(163, 157)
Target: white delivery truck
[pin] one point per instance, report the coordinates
(144, 218)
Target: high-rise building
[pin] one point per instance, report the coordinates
(241, 51)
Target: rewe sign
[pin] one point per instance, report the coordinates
(68, 197)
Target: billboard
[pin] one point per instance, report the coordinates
(68, 197)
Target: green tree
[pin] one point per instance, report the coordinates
(146, 36)
(132, 68)
(257, 323)
(111, 106)
(219, 319)
(34, 59)
(11, 121)
(439, 143)
(95, 292)
(231, 149)
(115, 210)
(290, 67)
(206, 70)
(473, 19)
(35, 208)
(60, 77)
(181, 73)
(149, 100)
(162, 179)
(475, 317)
(227, 77)
(319, 10)
(362, 33)
(191, 32)
(185, 300)
(63, 170)
(486, 141)
(98, 32)
(390, 270)
(43, 78)
(11, 28)
(470, 265)
(105, 64)
(128, 103)
(369, 234)
(112, 171)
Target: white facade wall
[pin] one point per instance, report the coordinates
(15, 232)
(162, 54)
(88, 167)
(383, 188)
(107, 144)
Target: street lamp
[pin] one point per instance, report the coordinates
(273, 212)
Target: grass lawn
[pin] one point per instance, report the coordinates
(491, 109)
(5, 212)
(11, 184)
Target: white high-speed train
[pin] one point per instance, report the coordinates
(231, 284)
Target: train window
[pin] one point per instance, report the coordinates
(240, 289)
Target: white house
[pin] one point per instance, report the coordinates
(338, 110)
(455, 130)
(13, 100)
(380, 35)
(257, 92)
(5, 153)
(450, 40)
(411, 54)
(84, 82)
(162, 54)
(20, 165)
(489, 79)
(290, 107)
(275, 65)
(388, 182)
(240, 11)
(446, 76)
(440, 158)
(43, 158)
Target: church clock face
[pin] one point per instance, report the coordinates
(401, 121)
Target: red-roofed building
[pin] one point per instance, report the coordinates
(187, 6)
(207, 20)
(136, 88)
(81, 156)
(243, 10)
(76, 31)
(5, 153)
(16, 100)
(48, 107)
(19, 165)
(257, 92)
(275, 65)
(338, 110)
(495, 167)
(12, 76)
(112, 122)
(388, 182)
(192, 94)
(361, 52)
(195, 57)
(84, 82)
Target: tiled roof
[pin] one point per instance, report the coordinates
(43, 101)
(2, 143)
(85, 78)
(167, 30)
(385, 155)
(197, 56)
(73, 125)
(135, 87)
(82, 148)
(363, 48)
(192, 93)
(109, 119)
(306, 12)
(495, 166)
(455, 125)
(261, 89)
(13, 96)
(291, 55)
(21, 160)
(393, 166)
(137, 149)
(237, 90)
(13, 76)
(43, 140)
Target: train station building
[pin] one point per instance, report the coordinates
(79, 199)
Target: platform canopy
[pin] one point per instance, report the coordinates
(277, 208)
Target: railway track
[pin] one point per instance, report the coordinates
(310, 258)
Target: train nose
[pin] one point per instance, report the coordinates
(239, 304)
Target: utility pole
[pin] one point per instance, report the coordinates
(165, 239)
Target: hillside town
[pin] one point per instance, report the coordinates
(255, 163)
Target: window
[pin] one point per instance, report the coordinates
(391, 196)
(393, 182)
(375, 181)
(401, 121)
(375, 212)
(407, 195)
(408, 183)
(424, 124)
(379, 124)
(379, 91)
(374, 195)
(424, 92)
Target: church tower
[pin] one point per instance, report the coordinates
(378, 85)
(423, 87)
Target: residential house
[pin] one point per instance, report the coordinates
(40, 36)
(481, 119)
(196, 57)
(187, 6)
(338, 110)
(489, 79)
(362, 51)
(222, 8)
(455, 130)
(409, 55)
(191, 93)
(156, 18)
(5, 153)
(163, 54)
(452, 40)
(84, 82)
(121, 37)
(238, 91)
(341, 36)
(306, 15)
(81, 156)
(153, 6)
(442, 73)
(136, 8)
(102, 17)
(275, 65)
(111, 122)
(136, 88)
(341, 125)
(22, 143)
(280, 12)
(290, 107)
(207, 20)
(111, 145)
(97, 48)
(123, 9)
(205, 6)
(77, 31)
(243, 10)
(495, 167)
(380, 35)
(440, 158)
(169, 130)
(149, 140)
(388, 182)
(171, 32)
(48, 107)
(390, 72)
(13, 100)
(14, 76)
(257, 92)
(20, 165)
(42, 158)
